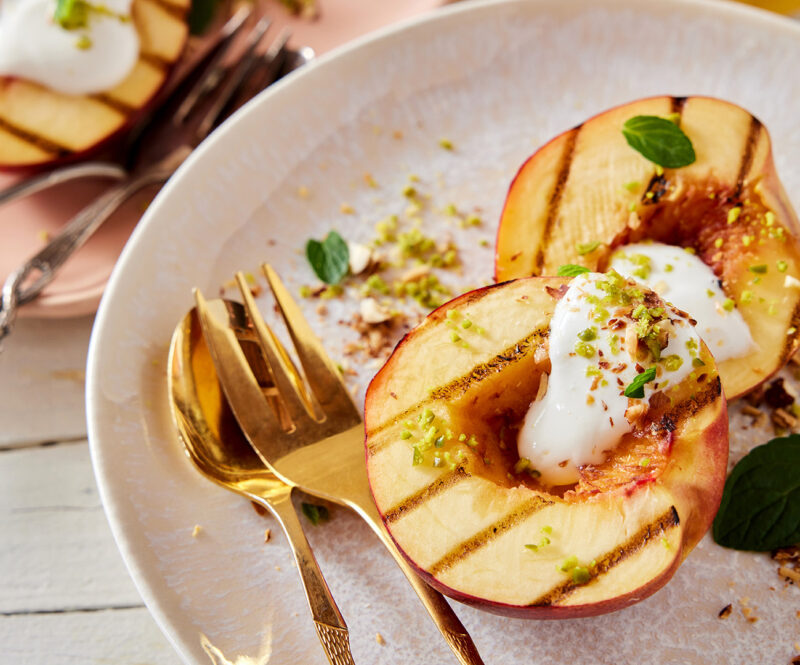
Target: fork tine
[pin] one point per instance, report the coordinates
(215, 69)
(240, 385)
(235, 78)
(284, 374)
(322, 374)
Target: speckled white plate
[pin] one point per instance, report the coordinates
(497, 79)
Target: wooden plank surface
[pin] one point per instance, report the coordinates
(42, 375)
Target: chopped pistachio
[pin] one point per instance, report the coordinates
(588, 334)
(409, 191)
(547, 529)
(580, 575)
(405, 434)
(782, 266)
(668, 268)
(728, 305)
(587, 247)
(746, 297)
(769, 218)
(446, 144)
(718, 242)
(466, 323)
(568, 564)
(305, 291)
(673, 363)
(696, 362)
(84, 42)
(632, 186)
(690, 250)
(522, 464)
(584, 349)
(454, 337)
(645, 461)
(733, 214)
(760, 269)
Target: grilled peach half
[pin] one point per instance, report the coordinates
(588, 188)
(482, 530)
(39, 126)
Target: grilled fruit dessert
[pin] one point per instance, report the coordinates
(587, 197)
(548, 447)
(41, 124)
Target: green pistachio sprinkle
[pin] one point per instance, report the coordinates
(473, 220)
(769, 218)
(772, 310)
(466, 323)
(746, 297)
(718, 243)
(305, 291)
(733, 214)
(782, 266)
(547, 529)
(462, 437)
(587, 247)
(588, 334)
(644, 461)
(584, 349)
(632, 186)
(710, 293)
(728, 305)
(665, 542)
(405, 434)
(690, 250)
(568, 564)
(668, 268)
(427, 417)
(580, 575)
(472, 442)
(673, 363)
(632, 206)
(447, 144)
(84, 42)
(522, 464)
(696, 362)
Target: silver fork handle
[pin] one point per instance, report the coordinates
(78, 230)
(46, 180)
(328, 621)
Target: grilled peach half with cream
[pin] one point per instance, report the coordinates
(39, 126)
(587, 194)
(446, 417)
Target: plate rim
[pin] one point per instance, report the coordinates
(759, 19)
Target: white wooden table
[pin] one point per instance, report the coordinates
(65, 595)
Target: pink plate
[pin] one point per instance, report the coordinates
(25, 225)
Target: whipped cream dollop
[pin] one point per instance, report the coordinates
(685, 281)
(601, 338)
(82, 60)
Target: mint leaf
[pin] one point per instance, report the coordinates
(315, 513)
(760, 507)
(636, 387)
(571, 270)
(659, 140)
(330, 258)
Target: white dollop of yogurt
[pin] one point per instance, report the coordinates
(582, 414)
(689, 284)
(79, 61)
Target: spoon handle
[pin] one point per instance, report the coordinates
(328, 621)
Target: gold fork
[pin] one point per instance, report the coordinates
(322, 452)
(220, 452)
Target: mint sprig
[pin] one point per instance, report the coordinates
(571, 270)
(760, 508)
(636, 387)
(659, 140)
(329, 259)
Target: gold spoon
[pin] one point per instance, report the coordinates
(217, 447)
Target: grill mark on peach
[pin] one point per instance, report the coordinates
(746, 162)
(676, 104)
(487, 535)
(460, 385)
(692, 406)
(790, 346)
(637, 542)
(39, 141)
(442, 483)
(556, 196)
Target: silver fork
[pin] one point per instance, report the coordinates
(163, 146)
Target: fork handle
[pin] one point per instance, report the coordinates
(442, 614)
(38, 183)
(328, 621)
